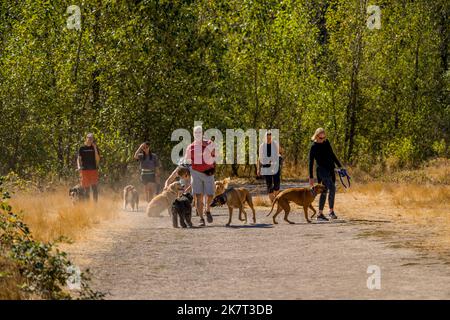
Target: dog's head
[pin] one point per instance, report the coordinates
(128, 189)
(219, 200)
(221, 186)
(319, 188)
(188, 196)
(174, 187)
(76, 193)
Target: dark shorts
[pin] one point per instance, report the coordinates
(147, 178)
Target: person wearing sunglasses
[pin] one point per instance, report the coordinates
(322, 153)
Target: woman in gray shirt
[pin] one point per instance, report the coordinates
(149, 169)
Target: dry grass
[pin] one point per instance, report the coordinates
(9, 280)
(51, 215)
(420, 213)
(262, 201)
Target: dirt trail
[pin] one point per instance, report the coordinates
(136, 257)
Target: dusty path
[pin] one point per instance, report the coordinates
(136, 257)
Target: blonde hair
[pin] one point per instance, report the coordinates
(318, 131)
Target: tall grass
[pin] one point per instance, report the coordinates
(52, 215)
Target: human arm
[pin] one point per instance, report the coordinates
(138, 151)
(171, 178)
(333, 155)
(311, 165)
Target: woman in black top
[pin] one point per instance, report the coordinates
(269, 163)
(325, 158)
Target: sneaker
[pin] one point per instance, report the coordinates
(332, 215)
(321, 217)
(202, 223)
(209, 217)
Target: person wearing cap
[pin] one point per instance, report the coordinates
(88, 158)
(149, 169)
(270, 161)
(200, 154)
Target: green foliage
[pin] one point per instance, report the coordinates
(138, 70)
(44, 268)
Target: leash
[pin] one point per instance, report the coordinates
(342, 175)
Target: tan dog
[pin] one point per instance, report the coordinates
(130, 197)
(221, 186)
(235, 198)
(301, 196)
(164, 200)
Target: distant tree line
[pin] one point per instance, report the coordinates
(137, 70)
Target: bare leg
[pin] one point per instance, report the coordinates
(199, 204)
(209, 199)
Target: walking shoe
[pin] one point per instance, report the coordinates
(321, 217)
(209, 217)
(202, 223)
(332, 215)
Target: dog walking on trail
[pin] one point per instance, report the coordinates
(149, 169)
(322, 153)
(87, 161)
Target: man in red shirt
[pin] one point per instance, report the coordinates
(201, 155)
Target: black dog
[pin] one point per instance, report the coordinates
(182, 207)
(77, 193)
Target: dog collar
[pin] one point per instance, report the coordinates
(313, 192)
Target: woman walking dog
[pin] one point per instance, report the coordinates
(149, 169)
(325, 158)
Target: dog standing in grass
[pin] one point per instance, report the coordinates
(77, 194)
(130, 197)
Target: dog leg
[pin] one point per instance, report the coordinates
(287, 209)
(279, 209)
(242, 211)
(250, 203)
(305, 208)
(314, 212)
(188, 218)
(182, 218)
(230, 213)
(174, 218)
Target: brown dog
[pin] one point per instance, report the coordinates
(130, 197)
(235, 198)
(221, 186)
(301, 196)
(164, 200)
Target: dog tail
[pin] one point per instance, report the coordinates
(273, 205)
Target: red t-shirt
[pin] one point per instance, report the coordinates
(201, 155)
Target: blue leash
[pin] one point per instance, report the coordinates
(342, 174)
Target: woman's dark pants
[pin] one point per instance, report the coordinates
(328, 178)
